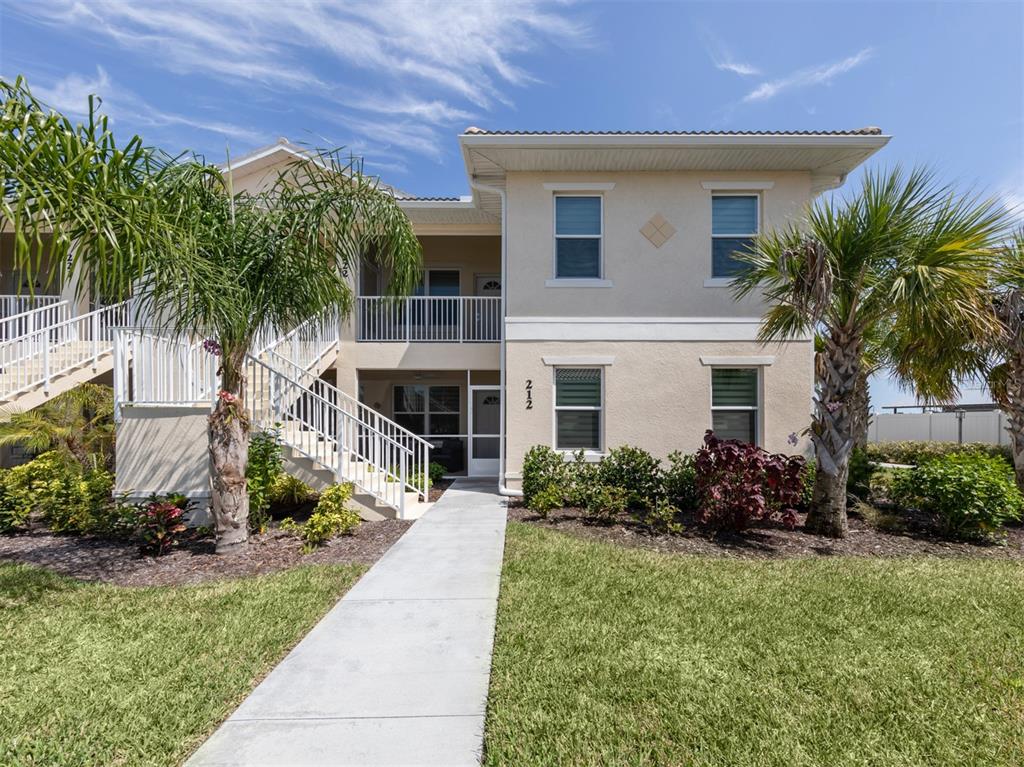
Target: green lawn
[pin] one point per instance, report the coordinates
(103, 675)
(612, 656)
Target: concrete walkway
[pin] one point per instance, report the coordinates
(397, 672)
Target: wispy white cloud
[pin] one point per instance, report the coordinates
(70, 95)
(820, 75)
(723, 58)
(458, 56)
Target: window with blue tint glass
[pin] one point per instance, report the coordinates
(578, 237)
(734, 403)
(734, 224)
(578, 409)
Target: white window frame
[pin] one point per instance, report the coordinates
(757, 408)
(556, 237)
(426, 408)
(555, 407)
(715, 281)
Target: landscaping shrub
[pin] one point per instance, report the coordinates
(740, 483)
(161, 524)
(331, 517)
(971, 494)
(542, 468)
(68, 499)
(918, 452)
(858, 481)
(634, 470)
(286, 490)
(436, 472)
(662, 517)
(546, 501)
(679, 481)
(582, 477)
(265, 466)
(605, 503)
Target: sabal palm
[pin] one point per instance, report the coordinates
(78, 423)
(904, 258)
(1001, 354)
(199, 259)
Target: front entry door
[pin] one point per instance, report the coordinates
(484, 426)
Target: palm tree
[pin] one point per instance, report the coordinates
(79, 424)
(199, 259)
(905, 258)
(1005, 348)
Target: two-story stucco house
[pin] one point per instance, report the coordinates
(578, 297)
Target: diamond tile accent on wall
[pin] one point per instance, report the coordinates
(658, 230)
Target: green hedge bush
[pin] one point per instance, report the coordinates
(634, 470)
(971, 494)
(543, 468)
(918, 452)
(679, 481)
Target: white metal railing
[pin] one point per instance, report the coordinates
(306, 345)
(34, 358)
(419, 459)
(22, 323)
(453, 319)
(322, 431)
(18, 304)
(154, 369)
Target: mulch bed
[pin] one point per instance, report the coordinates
(438, 488)
(775, 541)
(119, 562)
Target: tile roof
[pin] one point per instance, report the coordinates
(868, 131)
(429, 199)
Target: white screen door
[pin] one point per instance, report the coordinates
(484, 425)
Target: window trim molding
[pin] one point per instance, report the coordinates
(759, 204)
(738, 186)
(555, 236)
(578, 362)
(566, 451)
(758, 409)
(737, 362)
(579, 186)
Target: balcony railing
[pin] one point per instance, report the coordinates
(431, 319)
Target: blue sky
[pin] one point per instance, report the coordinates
(396, 81)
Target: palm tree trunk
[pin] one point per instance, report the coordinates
(861, 411)
(229, 458)
(1012, 403)
(838, 368)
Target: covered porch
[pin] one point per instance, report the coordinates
(457, 411)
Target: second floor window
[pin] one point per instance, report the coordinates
(734, 224)
(577, 237)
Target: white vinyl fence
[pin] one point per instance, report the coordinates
(983, 426)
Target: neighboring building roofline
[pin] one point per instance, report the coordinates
(866, 131)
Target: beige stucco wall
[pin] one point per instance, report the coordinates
(162, 450)
(471, 255)
(647, 281)
(657, 394)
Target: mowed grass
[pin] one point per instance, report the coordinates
(612, 656)
(94, 674)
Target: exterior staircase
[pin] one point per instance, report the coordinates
(45, 351)
(327, 436)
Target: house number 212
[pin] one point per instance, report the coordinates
(529, 394)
